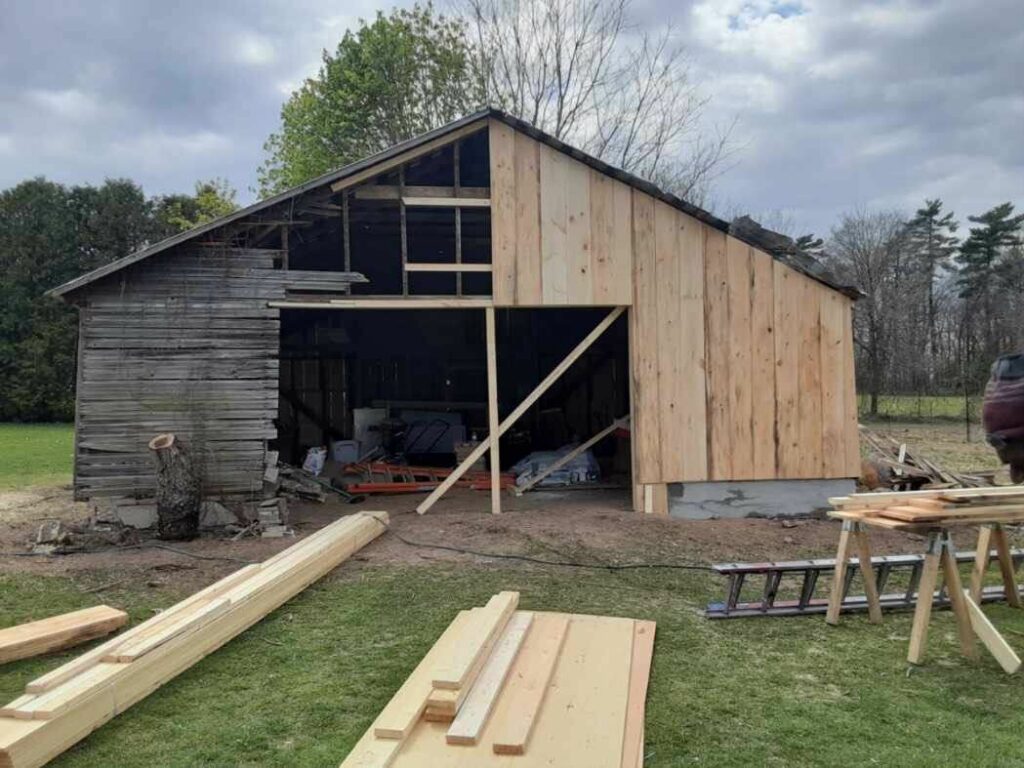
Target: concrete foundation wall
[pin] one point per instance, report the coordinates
(754, 498)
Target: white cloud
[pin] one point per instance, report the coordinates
(6, 144)
(253, 49)
(777, 33)
(68, 104)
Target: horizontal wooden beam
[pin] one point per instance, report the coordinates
(394, 192)
(463, 267)
(410, 303)
(448, 202)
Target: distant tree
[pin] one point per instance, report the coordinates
(176, 213)
(49, 234)
(981, 265)
(579, 70)
(932, 244)
(393, 78)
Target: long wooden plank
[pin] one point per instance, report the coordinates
(990, 637)
(718, 347)
(455, 670)
(578, 240)
(81, 663)
(787, 386)
(503, 212)
(741, 359)
(58, 632)
(528, 683)
(528, 276)
(670, 340)
(519, 410)
(448, 202)
(762, 334)
(463, 267)
(639, 675)
(808, 450)
(554, 225)
(398, 717)
(28, 744)
(473, 714)
(643, 325)
(691, 420)
(833, 375)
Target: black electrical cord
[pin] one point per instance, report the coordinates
(541, 561)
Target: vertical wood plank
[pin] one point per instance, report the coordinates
(717, 354)
(503, 212)
(670, 352)
(762, 334)
(579, 276)
(492, 409)
(787, 345)
(602, 233)
(527, 211)
(645, 427)
(833, 375)
(553, 225)
(620, 292)
(691, 386)
(810, 378)
(851, 432)
(741, 379)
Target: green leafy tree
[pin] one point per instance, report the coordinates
(176, 213)
(932, 244)
(393, 78)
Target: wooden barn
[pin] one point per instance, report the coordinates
(485, 285)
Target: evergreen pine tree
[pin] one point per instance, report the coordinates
(931, 243)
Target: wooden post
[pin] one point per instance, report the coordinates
(835, 600)
(493, 424)
(957, 599)
(284, 246)
(981, 555)
(458, 219)
(656, 499)
(1006, 566)
(404, 235)
(867, 572)
(519, 410)
(925, 595)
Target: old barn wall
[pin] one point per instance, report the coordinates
(183, 342)
(742, 366)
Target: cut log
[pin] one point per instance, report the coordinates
(177, 488)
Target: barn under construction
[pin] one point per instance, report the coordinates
(485, 285)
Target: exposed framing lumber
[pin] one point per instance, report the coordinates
(447, 202)
(462, 664)
(457, 163)
(990, 637)
(493, 421)
(400, 159)
(391, 192)
(520, 409)
(431, 267)
(573, 454)
(388, 303)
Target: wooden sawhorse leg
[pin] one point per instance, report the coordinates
(853, 533)
(994, 533)
(940, 552)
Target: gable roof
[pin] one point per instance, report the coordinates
(803, 263)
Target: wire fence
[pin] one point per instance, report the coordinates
(952, 408)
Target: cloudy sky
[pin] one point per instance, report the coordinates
(840, 104)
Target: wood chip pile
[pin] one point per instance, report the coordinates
(519, 688)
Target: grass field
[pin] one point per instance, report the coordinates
(35, 454)
(300, 687)
(921, 407)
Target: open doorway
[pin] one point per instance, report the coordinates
(410, 385)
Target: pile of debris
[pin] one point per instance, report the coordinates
(893, 466)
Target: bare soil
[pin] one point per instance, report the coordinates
(595, 527)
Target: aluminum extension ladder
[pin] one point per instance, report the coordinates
(810, 571)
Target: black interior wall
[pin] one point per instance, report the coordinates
(333, 361)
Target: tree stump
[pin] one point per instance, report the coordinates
(177, 489)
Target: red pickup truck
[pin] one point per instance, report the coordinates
(1003, 412)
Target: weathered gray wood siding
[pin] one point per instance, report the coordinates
(183, 342)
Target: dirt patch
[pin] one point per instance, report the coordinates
(594, 527)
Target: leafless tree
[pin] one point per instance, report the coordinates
(579, 70)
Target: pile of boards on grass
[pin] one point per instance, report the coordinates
(893, 465)
(509, 687)
(65, 705)
(953, 506)
(58, 632)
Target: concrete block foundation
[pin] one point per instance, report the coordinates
(753, 498)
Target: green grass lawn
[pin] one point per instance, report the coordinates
(301, 686)
(35, 454)
(921, 407)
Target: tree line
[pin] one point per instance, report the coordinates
(51, 233)
(940, 304)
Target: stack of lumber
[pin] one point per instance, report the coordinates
(65, 705)
(503, 686)
(896, 467)
(936, 508)
(59, 632)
